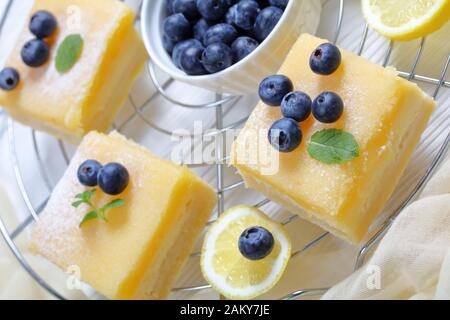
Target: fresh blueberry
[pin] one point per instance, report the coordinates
(191, 61)
(180, 47)
(266, 22)
(113, 179)
(43, 24)
(9, 79)
(273, 89)
(187, 7)
(242, 47)
(282, 4)
(177, 27)
(256, 243)
(212, 9)
(246, 13)
(296, 105)
(217, 57)
(35, 53)
(230, 16)
(168, 44)
(326, 59)
(231, 3)
(221, 32)
(169, 7)
(328, 107)
(200, 28)
(285, 135)
(88, 173)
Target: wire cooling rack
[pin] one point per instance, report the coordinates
(414, 184)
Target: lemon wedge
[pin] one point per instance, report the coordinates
(227, 270)
(406, 19)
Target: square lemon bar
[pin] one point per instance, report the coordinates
(88, 96)
(141, 250)
(386, 115)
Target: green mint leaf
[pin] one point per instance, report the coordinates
(86, 196)
(78, 203)
(88, 217)
(333, 146)
(68, 53)
(102, 215)
(114, 204)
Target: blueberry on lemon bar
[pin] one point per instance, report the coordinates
(127, 219)
(72, 67)
(339, 143)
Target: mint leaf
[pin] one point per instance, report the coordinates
(114, 204)
(102, 215)
(88, 217)
(78, 203)
(333, 146)
(68, 53)
(85, 198)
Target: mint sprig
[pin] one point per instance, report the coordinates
(68, 53)
(95, 213)
(333, 146)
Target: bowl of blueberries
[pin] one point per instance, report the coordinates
(226, 46)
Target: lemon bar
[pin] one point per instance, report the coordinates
(386, 115)
(139, 252)
(88, 96)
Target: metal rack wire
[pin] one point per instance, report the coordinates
(220, 129)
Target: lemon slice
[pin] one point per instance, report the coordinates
(227, 270)
(406, 19)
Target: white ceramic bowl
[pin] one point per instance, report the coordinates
(244, 77)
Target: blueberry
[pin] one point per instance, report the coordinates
(212, 9)
(200, 28)
(266, 21)
(296, 105)
(43, 24)
(191, 61)
(9, 79)
(231, 3)
(221, 32)
(169, 6)
(242, 47)
(256, 243)
(282, 4)
(177, 27)
(285, 135)
(328, 107)
(273, 89)
(326, 59)
(88, 173)
(180, 47)
(230, 16)
(246, 13)
(113, 179)
(35, 53)
(168, 44)
(187, 7)
(217, 57)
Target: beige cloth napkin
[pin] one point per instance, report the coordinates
(413, 259)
